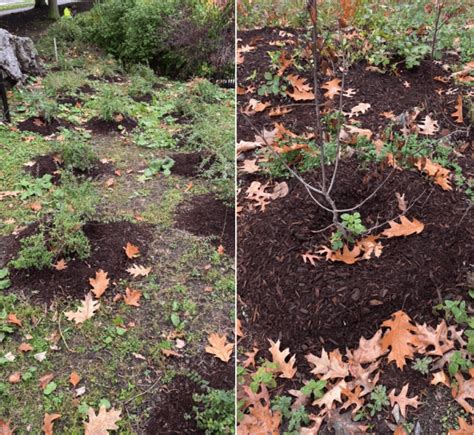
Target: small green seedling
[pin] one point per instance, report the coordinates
(156, 166)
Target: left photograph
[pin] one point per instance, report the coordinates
(117, 217)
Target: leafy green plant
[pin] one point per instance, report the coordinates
(158, 165)
(63, 81)
(459, 363)
(33, 253)
(35, 187)
(4, 278)
(76, 152)
(314, 388)
(62, 234)
(354, 226)
(378, 400)
(296, 418)
(422, 365)
(215, 411)
(110, 103)
(265, 375)
(274, 85)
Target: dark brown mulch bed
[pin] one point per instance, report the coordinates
(187, 164)
(39, 125)
(107, 241)
(49, 165)
(100, 126)
(334, 304)
(176, 399)
(372, 87)
(205, 215)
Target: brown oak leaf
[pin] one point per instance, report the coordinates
(403, 401)
(286, 369)
(101, 423)
(100, 283)
(219, 347)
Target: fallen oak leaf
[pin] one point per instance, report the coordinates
(60, 265)
(404, 228)
(457, 115)
(48, 420)
(254, 106)
(13, 319)
(287, 369)
(101, 423)
(249, 166)
(88, 307)
(25, 347)
(332, 88)
(45, 380)
(436, 171)
(137, 270)
(168, 353)
(14, 378)
(464, 391)
(5, 427)
(464, 427)
(401, 338)
(132, 297)
(279, 111)
(219, 347)
(74, 378)
(440, 378)
(100, 283)
(361, 108)
(429, 126)
(131, 251)
(403, 401)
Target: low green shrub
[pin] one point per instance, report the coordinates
(75, 151)
(109, 103)
(33, 253)
(215, 411)
(180, 37)
(62, 233)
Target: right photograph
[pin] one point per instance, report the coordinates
(355, 255)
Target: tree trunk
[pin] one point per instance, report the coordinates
(40, 3)
(53, 12)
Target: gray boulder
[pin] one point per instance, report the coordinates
(18, 57)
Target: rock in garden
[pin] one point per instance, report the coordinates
(18, 57)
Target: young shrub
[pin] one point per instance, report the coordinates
(63, 81)
(215, 411)
(33, 253)
(109, 104)
(76, 152)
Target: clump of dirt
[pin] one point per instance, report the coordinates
(37, 124)
(176, 399)
(70, 99)
(102, 127)
(188, 164)
(205, 215)
(334, 304)
(146, 98)
(181, 118)
(86, 89)
(107, 241)
(50, 164)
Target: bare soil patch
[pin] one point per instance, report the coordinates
(107, 241)
(48, 164)
(205, 215)
(102, 127)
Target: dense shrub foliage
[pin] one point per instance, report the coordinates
(180, 38)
